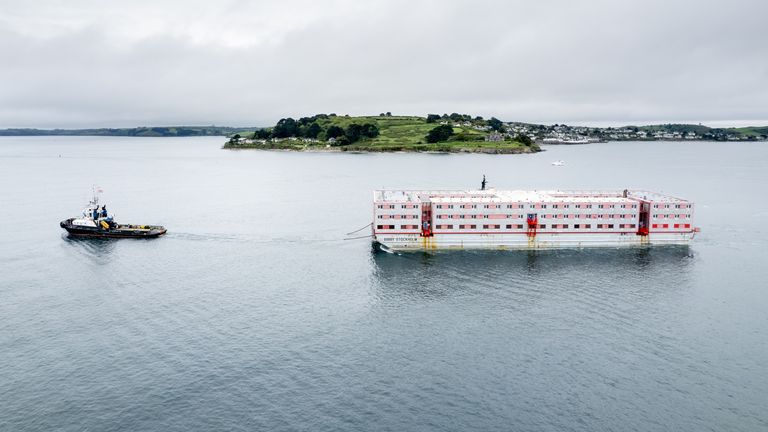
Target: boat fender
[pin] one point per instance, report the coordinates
(104, 225)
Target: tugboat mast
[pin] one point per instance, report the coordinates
(95, 199)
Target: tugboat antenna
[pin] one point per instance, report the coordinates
(96, 190)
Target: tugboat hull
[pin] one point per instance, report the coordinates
(118, 231)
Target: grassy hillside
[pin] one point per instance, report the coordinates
(681, 128)
(753, 131)
(395, 133)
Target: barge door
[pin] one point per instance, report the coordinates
(426, 219)
(533, 224)
(645, 219)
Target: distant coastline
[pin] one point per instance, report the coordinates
(433, 133)
(143, 131)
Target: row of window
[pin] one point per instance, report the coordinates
(542, 216)
(474, 216)
(672, 216)
(521, 216)
(391, 227)
(402, 206)
(531, 206)
(535, 206)
(519, 226)
(541, 226)
(576, 213)
(488, 226)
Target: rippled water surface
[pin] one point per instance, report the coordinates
(253, 313)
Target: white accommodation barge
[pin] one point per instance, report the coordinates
(494, 219)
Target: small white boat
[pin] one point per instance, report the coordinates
(558, 163)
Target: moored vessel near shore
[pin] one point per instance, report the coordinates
(490, 219)
(95, 221)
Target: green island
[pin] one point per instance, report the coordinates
(386, 133)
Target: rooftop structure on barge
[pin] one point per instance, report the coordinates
(496, 219)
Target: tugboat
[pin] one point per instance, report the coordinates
(97, 222)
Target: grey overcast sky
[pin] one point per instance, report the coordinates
(80, 63)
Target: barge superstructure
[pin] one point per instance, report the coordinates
(515, 219)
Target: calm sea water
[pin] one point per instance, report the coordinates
(253, 313)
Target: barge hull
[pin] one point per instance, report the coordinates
(416, 242)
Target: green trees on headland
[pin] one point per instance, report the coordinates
(524, 139)
(454, 117)
(334, 131)
(496, 124)
(355, 132)
(440, 133)
(317, 128)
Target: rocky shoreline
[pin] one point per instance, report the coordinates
(439, 149)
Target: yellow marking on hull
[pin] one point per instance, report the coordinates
(428, 243)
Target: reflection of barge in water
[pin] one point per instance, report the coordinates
(96, 222)
(491, 219)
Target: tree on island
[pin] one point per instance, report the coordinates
(235, 139)
(369, 130)
(341, 141)
(262, 134)
(524, 139)
(459, 117)
(313, 130)
(440, 133)
(355, 132)
(334, 131)
(496, 124)
(285, 128)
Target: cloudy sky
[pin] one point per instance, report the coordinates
(79, 63)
